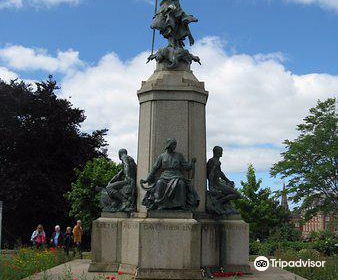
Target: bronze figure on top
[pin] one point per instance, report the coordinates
(173, 24)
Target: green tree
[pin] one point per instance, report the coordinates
(259, 208)
(285, 232)
(83, 197)
(310, 162)
(40, 146)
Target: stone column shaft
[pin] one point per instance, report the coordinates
(172, 105)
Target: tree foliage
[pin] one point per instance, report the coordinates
(83, 196)
(40, 146)
(310, 161)
(259, 208)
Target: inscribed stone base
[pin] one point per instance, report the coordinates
(234, 245)
(161, 248)
(106, 244)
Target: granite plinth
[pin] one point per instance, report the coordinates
(169, 245)
(106, 244)
(169, 214)
(234, 251)
(161, 248)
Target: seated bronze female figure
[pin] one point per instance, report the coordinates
(172, 191)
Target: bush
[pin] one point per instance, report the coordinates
(326, 247)
(328, 272)
(286, 232)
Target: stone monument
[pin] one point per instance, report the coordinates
(179, 229)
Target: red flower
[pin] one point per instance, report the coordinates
(227, 274)
(119, 272)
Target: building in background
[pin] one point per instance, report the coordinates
(320, 222)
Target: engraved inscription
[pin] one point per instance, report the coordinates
(158, 227)
(129, 226)
(105, 225)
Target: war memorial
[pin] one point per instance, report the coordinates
(169, 216)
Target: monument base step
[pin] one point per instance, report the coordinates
(152, 274)
(181, 274)
(103, 267)
(237, 268)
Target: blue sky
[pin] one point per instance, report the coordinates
(288, 49)
(306, 34)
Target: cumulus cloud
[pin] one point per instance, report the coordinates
(107, 92)
(21, 58)
(255, 102)
(35, 3)
(7, 75)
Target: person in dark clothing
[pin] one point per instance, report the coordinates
(68, 240)
(57, 239)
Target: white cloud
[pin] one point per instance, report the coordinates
(7, 75)
(326, 4)
(107, 92)
(10, 4)
(34, 3)
(21, 58)
(254, 104)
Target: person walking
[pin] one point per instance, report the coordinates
(57, 238)
(77, 236)
(38, 238)
(68, 240)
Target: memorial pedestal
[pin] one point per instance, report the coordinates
(161, 246)
(234, 249)
(155, 248)
(106, 242)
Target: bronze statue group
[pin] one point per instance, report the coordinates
(171, 190)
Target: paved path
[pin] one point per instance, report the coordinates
(79, 269)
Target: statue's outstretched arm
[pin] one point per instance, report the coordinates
(186, 165)
(225, 178)
(156, 167)
(117, 177)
